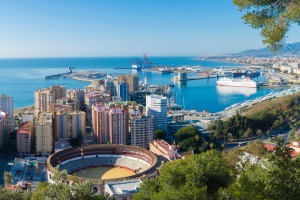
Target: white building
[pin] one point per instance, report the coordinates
(7, 106)
(27, 116)
(156, 106)
(123, 189)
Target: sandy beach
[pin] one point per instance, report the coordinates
(22, 109)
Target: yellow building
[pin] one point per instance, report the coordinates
(69, 124)
(141, 130)
(44, 134)
(132, 80)
(45, 97)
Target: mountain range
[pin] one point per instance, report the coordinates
(287, 49)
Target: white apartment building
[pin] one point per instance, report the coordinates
(156, 106)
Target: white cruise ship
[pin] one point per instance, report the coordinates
(237, 82)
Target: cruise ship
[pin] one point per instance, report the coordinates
(237, 82)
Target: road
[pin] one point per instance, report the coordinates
(284, 135)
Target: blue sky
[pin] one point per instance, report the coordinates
(70, 28)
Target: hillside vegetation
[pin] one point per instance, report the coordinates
(261, 118)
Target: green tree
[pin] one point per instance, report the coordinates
(256, 148)
(278, 178)
(186, 132)
(195, 177)
(189, 144)
(273, 17)
(15, 195)
(39, 192)
(8, 179)
(78, 141)
(160, 134)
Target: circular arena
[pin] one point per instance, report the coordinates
(101, 163)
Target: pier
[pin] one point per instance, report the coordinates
(182, 76)
(56, 76)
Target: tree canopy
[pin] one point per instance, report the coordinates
(196, 177)
(77, 141)
(160, 134)
(211, 175)
(273, 17)
(59, 190)
(186, 132)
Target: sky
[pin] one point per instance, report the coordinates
(92, 28)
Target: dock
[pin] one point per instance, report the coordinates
(124, 68)
(56, 76)
(194, 78)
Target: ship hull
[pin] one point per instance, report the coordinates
(237, 83)
(247, 86)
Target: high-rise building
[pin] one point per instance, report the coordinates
(7, 106)
(60, 108)
(73, 103)
(118, 125)
(92, 98)
(96, 85)
(132, 80)
(141, 130)
(123, 91)
(156, 106)
(77, 94)
(25, 138)
(100, 120)
(110, 125)
(44, 134)
(27, 117)
(45, 97)
(3, 128)
(69, 124)
(110, 87)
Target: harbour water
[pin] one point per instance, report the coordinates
(20, 77)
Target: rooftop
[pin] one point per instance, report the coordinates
(25, 128)
(124, 187)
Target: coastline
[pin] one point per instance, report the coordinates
(224, 61)
(24, 108)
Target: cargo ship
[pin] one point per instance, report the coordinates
(237, 82)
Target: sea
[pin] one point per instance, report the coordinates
(20, 77)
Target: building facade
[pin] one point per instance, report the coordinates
(7, 106)
(45, 97)
(156, 106)
(166, 150)
(141, 130)
(25, 138)
(77, 94)
(44, 134)
(69, 124)
(132, 80)
(73, 103)
(110, 125)
(123, 91)
(3, 128)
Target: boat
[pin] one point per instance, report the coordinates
(165, 70)
(239, 73)
(252, 73)
(237, 82)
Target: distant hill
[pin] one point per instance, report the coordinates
(287, 49)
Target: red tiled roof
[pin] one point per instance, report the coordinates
(270, 147)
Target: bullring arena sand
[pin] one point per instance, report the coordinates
(103, 172)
